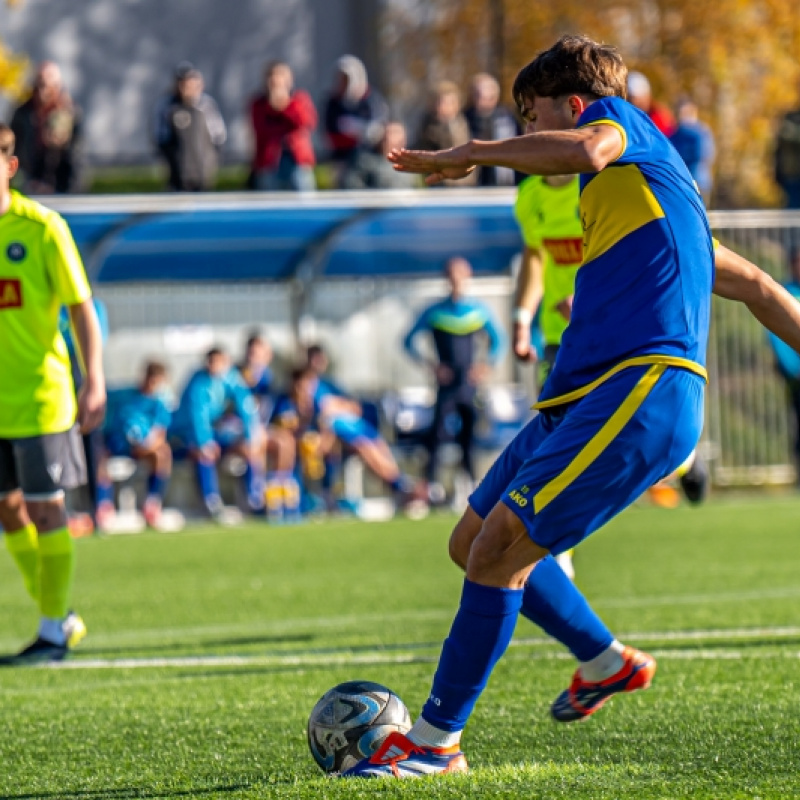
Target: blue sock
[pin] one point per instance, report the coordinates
(209, 483)
(552, 601)
(105, 492)
(480, 634)
(156, 485)
(254, 486)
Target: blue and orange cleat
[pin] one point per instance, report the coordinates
(399, 757)
(583, 698)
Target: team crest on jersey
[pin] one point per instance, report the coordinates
(10, 293)
(16, 251)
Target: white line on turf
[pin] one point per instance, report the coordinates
(344, 658)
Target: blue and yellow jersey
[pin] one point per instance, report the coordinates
(550, 221)
(454, 325)
(643, 292)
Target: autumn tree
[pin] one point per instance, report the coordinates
(736, 58)
(13, 66)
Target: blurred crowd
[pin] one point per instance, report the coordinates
(299, 147)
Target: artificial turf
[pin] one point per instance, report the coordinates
(208, 649)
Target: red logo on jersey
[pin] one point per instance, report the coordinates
(565, 252)
(10, 293)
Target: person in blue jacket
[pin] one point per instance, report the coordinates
(210, 392)
(456, 324)
(136, 428)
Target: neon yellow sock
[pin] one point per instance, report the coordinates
(23, 545)
(57, 567)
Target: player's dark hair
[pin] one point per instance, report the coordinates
(314, 350)
(573, 65)
(255, 336)
(154, 369)
(214, 352)
(300, 372)
(7, 140)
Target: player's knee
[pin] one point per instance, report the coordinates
(462, 537)
(13, 514)
(48, 515)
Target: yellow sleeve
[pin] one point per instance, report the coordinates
(64, 265)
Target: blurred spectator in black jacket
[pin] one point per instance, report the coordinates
(190, 132)
(489, 121)
(48, 128)
(355, 115)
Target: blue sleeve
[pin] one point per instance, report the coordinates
(638, 133)
(409, 344)
(163, 416)
(243, 402)
(102, 318)
(497, 338)
(197, 405)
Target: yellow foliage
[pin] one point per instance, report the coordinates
(13, 68)
(736, 58)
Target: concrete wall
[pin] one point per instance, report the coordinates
(118, 55)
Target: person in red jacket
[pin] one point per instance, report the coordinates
(283, 121)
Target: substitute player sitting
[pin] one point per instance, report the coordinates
(622, 407)
(138, 430)
(41, 453)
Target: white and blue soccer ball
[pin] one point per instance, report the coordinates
(351, 721)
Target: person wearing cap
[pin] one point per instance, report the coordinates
(189, 132)
(641, 95)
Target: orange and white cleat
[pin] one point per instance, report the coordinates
(583, 698)
(399, 757)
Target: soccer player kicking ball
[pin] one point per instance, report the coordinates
(40, 445)
(622, 408)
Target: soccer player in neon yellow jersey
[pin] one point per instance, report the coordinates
(40, 446)
(622, 407)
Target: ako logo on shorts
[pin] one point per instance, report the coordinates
(10, 293)
(16, 251)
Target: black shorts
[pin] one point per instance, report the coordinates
(42, 466)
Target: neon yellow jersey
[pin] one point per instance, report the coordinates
(549, 219)
(40, 270)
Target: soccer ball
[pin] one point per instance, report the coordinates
(350, 722)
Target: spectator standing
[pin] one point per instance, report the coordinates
(489, 121)
(455, 324)
(445, 126)
(48, 129)
(787, 157)
(283, 121)
(190, 132)
(372, 170)
(355, 115)
(641, 95)
(695, 143)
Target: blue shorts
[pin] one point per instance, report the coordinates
(118, 445)
(574, 467)
(351, 429)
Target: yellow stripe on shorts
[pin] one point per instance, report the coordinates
(595, 446)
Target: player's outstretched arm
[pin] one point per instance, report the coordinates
(739, 279)
(563, 152)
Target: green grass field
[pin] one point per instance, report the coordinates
(208, 648)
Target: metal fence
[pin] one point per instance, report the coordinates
(361, 320)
